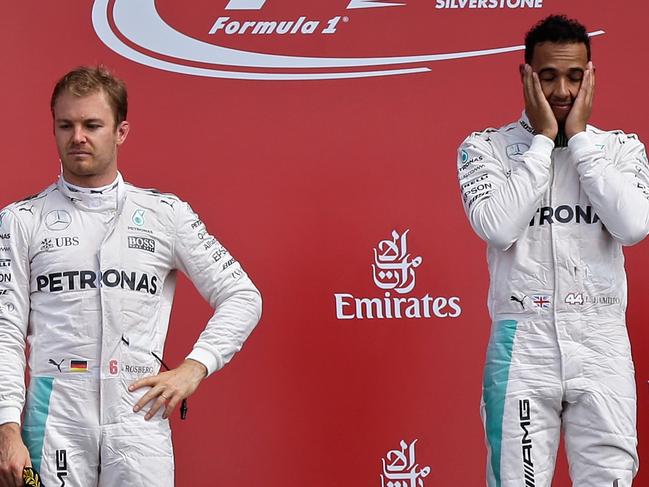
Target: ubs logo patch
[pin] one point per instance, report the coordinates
(58, 242)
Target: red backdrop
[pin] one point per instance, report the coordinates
(302, 179)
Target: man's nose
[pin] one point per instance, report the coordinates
(562, 89)
(78, 136)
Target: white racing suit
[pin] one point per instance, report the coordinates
(89, 279)
(555, 220)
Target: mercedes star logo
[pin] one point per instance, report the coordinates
(58, 220)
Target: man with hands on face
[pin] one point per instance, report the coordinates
(88, 271)
(556, 199)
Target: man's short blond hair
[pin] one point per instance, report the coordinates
(86, 80)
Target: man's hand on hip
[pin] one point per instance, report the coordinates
(169, 388)
(14, 456)
(583, 105)
(536, 106)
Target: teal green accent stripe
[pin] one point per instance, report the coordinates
(496, 376)
(40, 392)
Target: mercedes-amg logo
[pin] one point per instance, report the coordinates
(514, 151)
(58, 220)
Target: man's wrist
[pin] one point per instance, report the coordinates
(10, 414)
(580, 144)
(550, 134)
(211, 362)
(571, 132)
(11, 426)
(199, 369)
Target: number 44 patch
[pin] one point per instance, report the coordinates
(575, 298)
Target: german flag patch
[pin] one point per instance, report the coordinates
(78, 366)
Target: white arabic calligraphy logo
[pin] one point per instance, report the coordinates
(392, 268)
(400, 468)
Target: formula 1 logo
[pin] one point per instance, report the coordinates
(257, 4)
(138, 31)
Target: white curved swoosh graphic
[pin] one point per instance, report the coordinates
(140, 23)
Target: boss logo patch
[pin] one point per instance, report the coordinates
(141, 243)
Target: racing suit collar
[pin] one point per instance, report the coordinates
(101, 190)
(110, 198)
(525, 126)
(561, 139)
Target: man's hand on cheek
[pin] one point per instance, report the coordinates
(583, 105)
(536, 106)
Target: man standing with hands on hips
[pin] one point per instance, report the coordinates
(89, 270)
(556, 199)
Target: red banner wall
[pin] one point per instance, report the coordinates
(303, 152)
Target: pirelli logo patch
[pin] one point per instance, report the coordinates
(141, 243)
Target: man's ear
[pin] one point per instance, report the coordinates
(122, 132)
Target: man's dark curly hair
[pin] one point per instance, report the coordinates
(556, 28)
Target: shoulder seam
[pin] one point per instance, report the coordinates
(151, 192)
